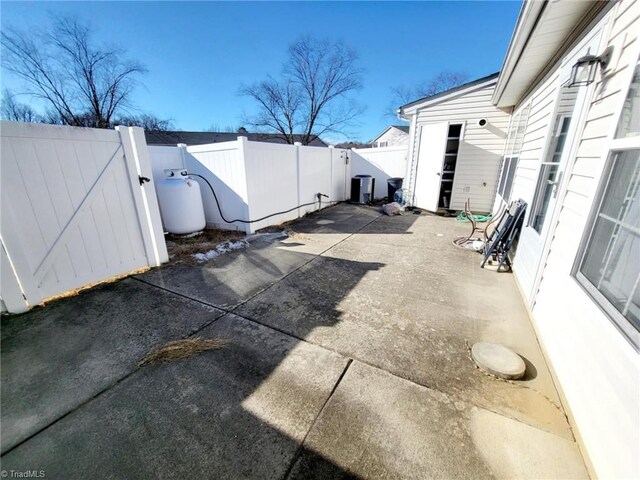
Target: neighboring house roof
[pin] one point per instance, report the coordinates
(203, 138)
(452, 92)
(542, 30)
(403, 128)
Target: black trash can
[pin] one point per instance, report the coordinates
(393, 184)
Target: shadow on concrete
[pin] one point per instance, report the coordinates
(239, 412)
(267, 406)
(231, 279)
(76, 405)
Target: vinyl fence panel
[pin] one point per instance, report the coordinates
(223, 166)
(381, 163)
(272, 182)
(315, 164)
(253, 180)
(73, 210)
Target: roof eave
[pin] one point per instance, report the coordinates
(411, 108)
(547, 29)
(527, 20)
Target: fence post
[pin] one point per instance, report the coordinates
(12, 294)
(139, 167)
(298, 145)
(183, 152)
(331, 153)
(242, 150)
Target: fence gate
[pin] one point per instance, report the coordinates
(74, 209)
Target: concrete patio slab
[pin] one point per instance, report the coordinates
(238, 412)
(415, 313)
(338, 220)
(58, 357)
(391, 293)
(397, 429)
(229, 279)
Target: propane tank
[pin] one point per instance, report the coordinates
(180, 203)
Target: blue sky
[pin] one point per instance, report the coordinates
(199, 53)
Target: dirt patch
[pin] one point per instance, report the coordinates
(181, 349)
(74, 292)
(182, 248)
(278, 228)
(287, 228)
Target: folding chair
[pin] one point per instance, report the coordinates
(501, 239)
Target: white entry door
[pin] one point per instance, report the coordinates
(431, 150)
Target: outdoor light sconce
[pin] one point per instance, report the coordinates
(584, 71)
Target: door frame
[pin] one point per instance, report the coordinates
(439, 172)
(597, 38)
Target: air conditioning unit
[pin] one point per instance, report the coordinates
(362, 188)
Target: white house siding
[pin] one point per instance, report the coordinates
(394, 137)
(597, 368)
(480, 152)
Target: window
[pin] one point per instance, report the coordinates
(550, 174)
(609, 263)
(383, 144)
(512, 152)
(629, 125)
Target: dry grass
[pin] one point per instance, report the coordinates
(286, 228)
(182, 248)
(74, 292)
(208, 235)
(296, 235)
(181, 349)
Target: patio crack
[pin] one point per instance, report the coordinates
(298, 452)
(225, 312)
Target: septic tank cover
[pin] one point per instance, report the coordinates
(498, 360)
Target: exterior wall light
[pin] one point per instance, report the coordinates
(585, 69)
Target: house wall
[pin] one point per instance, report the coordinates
(596, 367)
(393, 137)
(480, 152)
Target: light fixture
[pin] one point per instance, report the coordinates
(585, 69)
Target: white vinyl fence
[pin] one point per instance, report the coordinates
(253, 180)
(381, 163)
(73, 209)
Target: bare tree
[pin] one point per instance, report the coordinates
(149, 122)
(15, 111)
(214, 127)
(312, 96)
(403, 94)
(83, 84)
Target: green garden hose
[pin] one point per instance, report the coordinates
(462, 217)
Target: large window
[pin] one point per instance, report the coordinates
(512, 152)
(609, 263)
